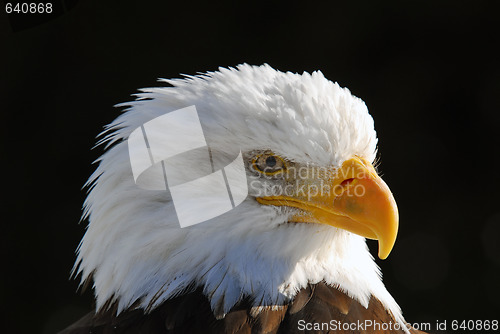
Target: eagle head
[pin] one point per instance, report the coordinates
(312, 196)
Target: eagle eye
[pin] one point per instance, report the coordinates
(269, 163)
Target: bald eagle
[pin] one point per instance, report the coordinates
(288, 261)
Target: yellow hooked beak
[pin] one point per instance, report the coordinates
(357, 200)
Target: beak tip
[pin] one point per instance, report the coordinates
(385, 247)
(382, 255)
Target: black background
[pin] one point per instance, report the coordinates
(428, 71)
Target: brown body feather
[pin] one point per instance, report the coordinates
(191, 313)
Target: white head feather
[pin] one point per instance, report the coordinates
(134, 249)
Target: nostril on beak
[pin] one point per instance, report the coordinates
(346, 182)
